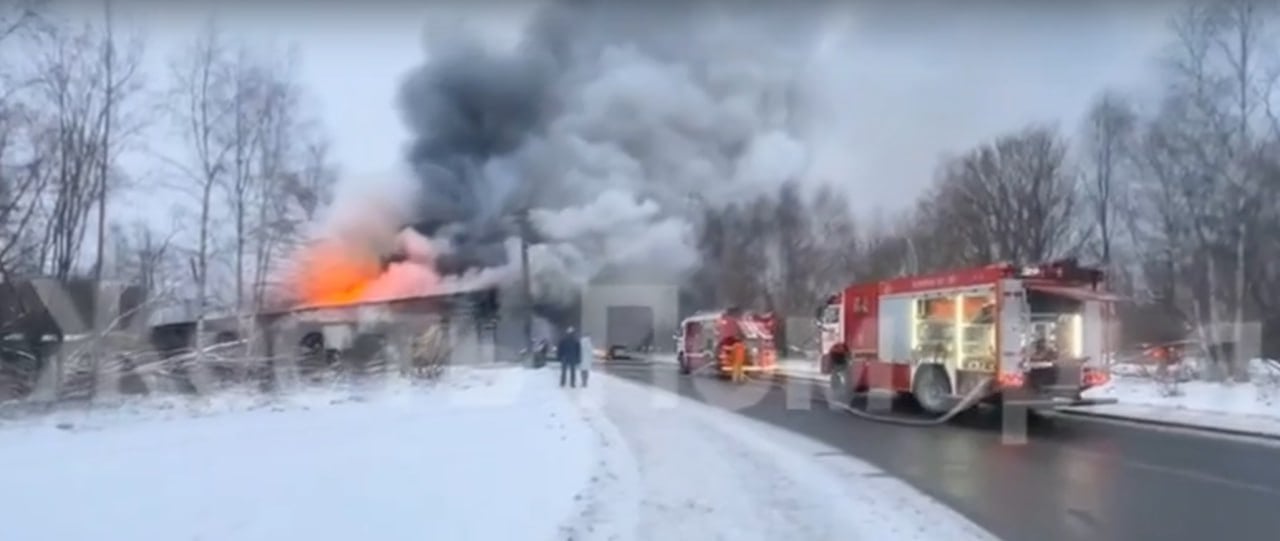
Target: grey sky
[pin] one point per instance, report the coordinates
(905, 82)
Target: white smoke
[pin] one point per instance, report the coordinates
(616, 230)
(369, 213)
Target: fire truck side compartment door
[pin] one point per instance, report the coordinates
(895, 329)
(1013, 318)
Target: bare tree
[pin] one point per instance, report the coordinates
(74, 98)
(18, 17)
(296, 175)
(312, 189)
(204, 107)
(1110, 125)
(247, 80)
(784, 251)
(22, 188)
(290, 200)
(836, 244)
(141, 256)
(790, 251)
(1013, 199)
(1241, 26)
(68, 88)
(1205, 161)
(734, 256)
(120, 121)
(891, 247)
(23, 174)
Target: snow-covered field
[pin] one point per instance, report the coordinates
(489, 454)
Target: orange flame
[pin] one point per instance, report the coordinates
(329, 273)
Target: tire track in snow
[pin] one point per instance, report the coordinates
(708, 473)
(607, 507)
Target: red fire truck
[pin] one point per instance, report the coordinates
(703, 338)
(1033, 336)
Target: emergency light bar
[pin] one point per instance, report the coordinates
(1065, 269)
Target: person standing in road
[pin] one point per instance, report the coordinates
(569, 353)
(588, 356)
(737, 360)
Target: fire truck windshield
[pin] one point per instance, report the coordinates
(831, 314)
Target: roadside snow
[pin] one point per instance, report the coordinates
(1253, 406)
(494, 454)
(488, 454)
(693, 471)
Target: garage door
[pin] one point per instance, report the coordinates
(630, 326)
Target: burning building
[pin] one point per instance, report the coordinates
(607, 128)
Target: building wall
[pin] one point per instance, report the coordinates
(802, 337)
(662, 300)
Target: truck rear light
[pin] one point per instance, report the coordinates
(1010, 379)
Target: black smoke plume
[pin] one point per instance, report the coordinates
(611, 123)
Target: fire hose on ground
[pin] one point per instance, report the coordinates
(976, 394)
(968, 401)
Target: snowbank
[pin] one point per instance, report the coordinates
(692, 471)
(493, 454)
(488, 454)
(1252, 406)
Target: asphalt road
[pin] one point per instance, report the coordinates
(1071, 480)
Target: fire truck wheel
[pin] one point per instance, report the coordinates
(932, 389)
(684, 365)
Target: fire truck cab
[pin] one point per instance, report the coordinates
(704, 336)
(1038, 333)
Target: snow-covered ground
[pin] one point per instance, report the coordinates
(687, 470)
(489, 454)
(1252, 406)
(486, 456)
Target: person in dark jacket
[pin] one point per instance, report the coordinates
(569, 353)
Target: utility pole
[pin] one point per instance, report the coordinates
(526, 288)
(104, 163)
(100, 317)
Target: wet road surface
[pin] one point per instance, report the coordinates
(1072, 479)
